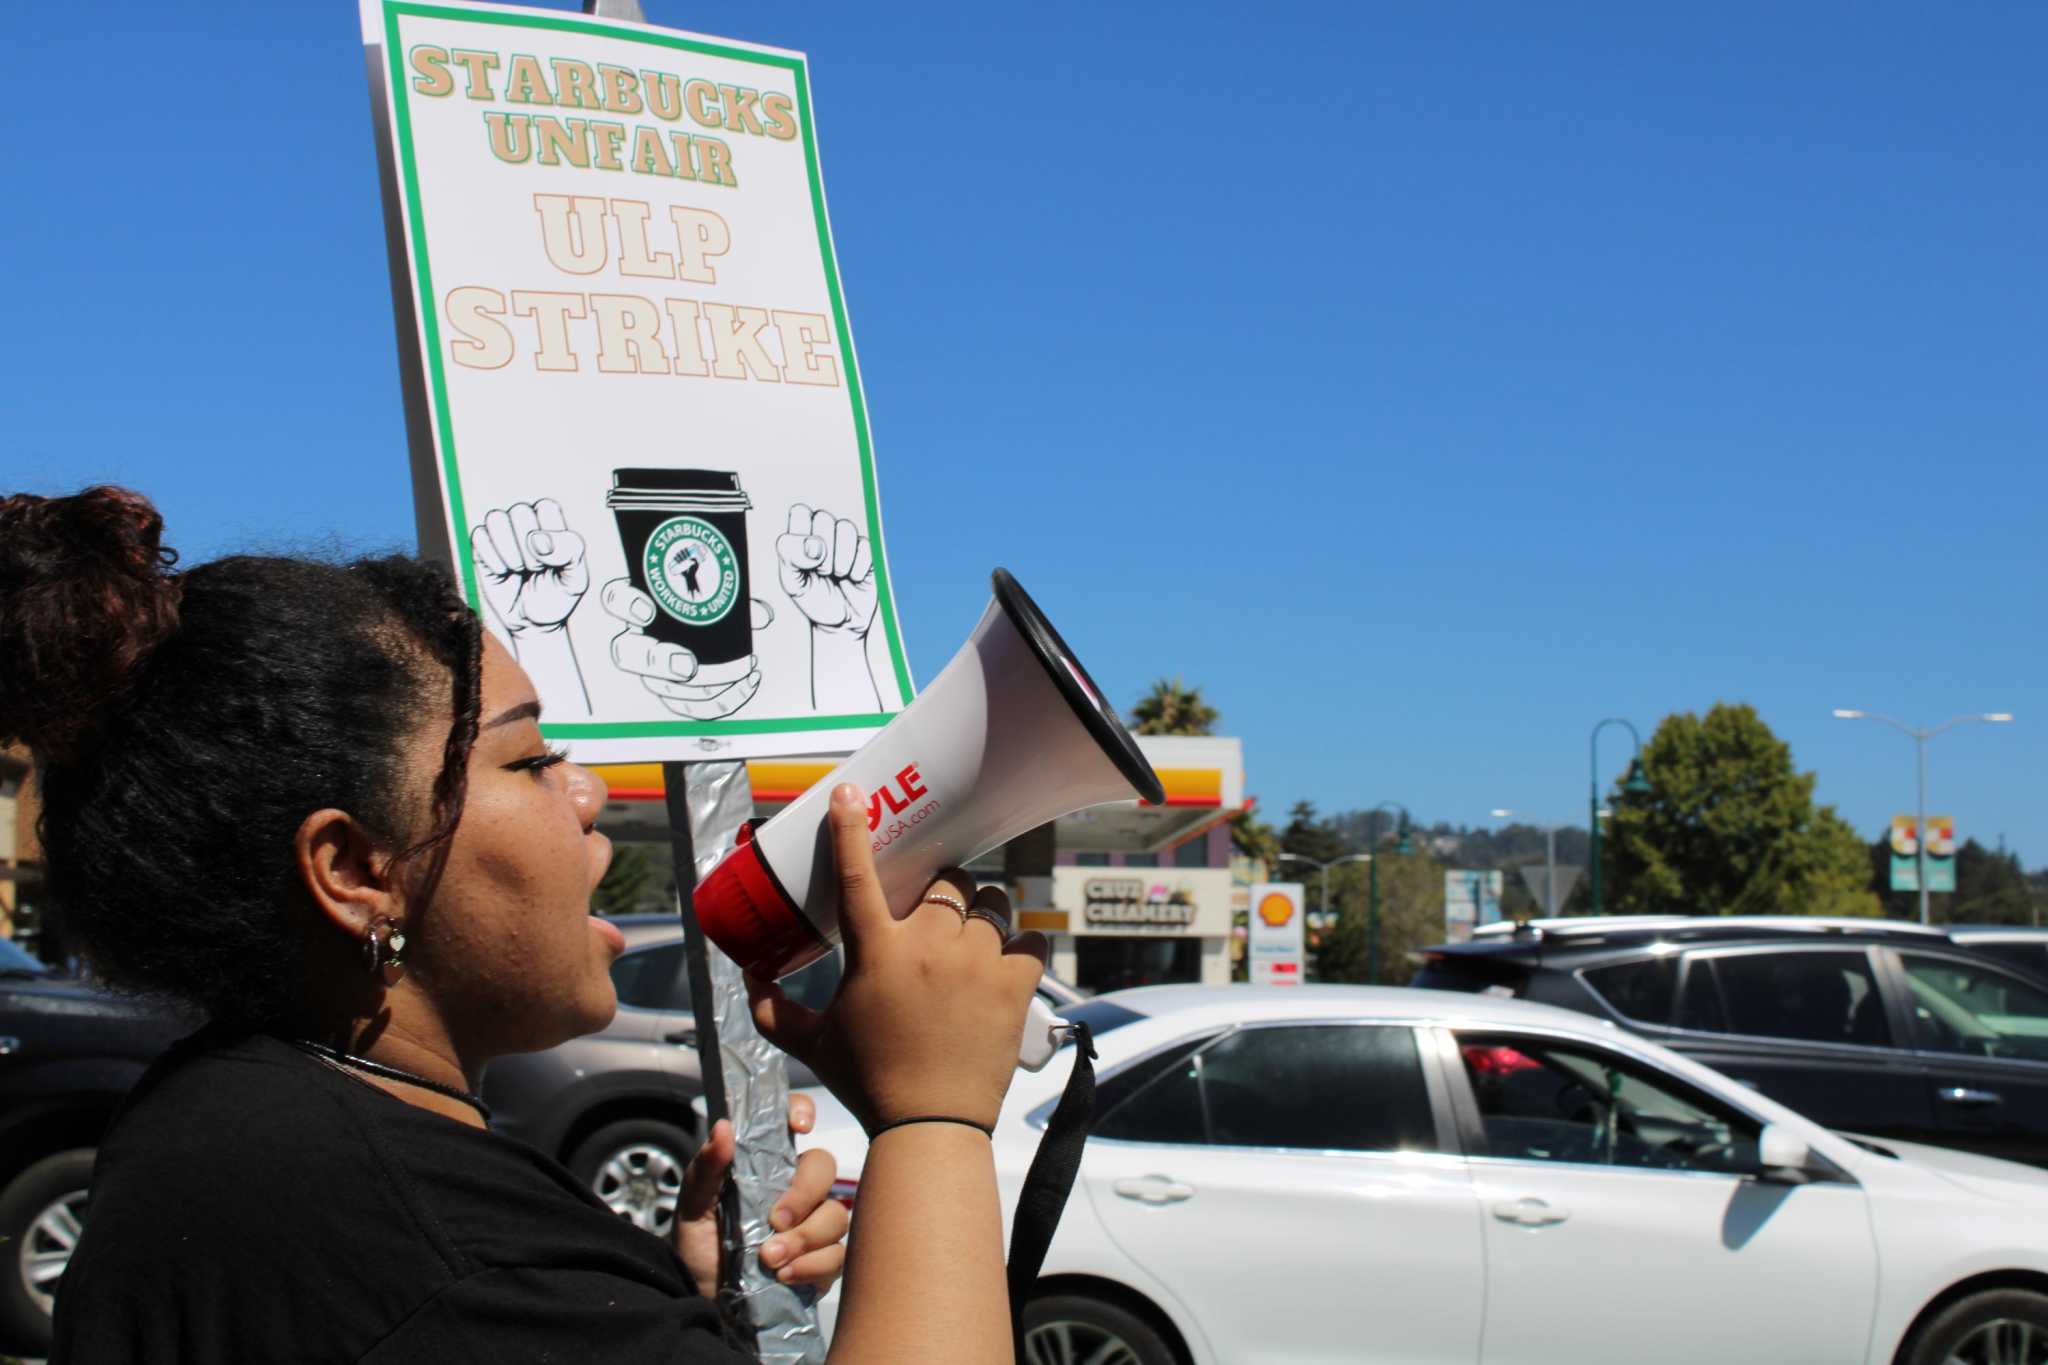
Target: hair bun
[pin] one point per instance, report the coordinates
(84, 598)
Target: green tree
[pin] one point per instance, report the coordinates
(1255, 839)
(1173, 708)
(1310, 837)
(1730, 827)
(636, 881)
(1411, 917)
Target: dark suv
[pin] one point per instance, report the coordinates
(68, 1053)
(1876, 1027)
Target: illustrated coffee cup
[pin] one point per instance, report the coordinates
(684, 532)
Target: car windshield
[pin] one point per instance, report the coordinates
(15, 961)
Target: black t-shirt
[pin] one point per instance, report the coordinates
(254, 1204)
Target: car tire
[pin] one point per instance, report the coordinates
(1067, 1329)
(1983, 1327)
(40, 1211)
(635, 1166)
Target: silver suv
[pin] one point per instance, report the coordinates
(615, 1106)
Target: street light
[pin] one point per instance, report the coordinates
(1549, 859)
(1372, 894)
(1635, 784)
(1324, 869)
(1920, 737)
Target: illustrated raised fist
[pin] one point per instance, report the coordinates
(827, 571)
(671, 672)
(530, 566)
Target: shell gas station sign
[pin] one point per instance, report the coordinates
(1276, 946)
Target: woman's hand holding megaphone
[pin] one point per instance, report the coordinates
(925, 1025)
(930, 1011)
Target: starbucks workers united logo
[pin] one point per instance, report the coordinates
(691, 570)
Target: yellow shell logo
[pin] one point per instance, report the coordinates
(1276, 909)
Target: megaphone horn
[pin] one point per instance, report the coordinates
(1011, 734)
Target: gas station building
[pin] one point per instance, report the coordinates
(1129, 894)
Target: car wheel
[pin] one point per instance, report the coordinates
(636, 1167)
(2002, 1327)
(42, 1212)
(1073, 1329)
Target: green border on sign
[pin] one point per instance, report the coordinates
(445, 431)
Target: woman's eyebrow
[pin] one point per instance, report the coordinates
(526, 710)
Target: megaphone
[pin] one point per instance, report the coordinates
(1011, 734)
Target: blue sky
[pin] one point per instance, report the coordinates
(1425, 382)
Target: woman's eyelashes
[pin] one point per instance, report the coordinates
(540, 762)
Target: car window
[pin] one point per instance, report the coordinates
(1641, 990)
(1169, 1109)
(1699, 1006)
(814, 986)
(1980, 1011)
(1820, 997)
(1317, 1087)
(652, 978)
(1112, 1090)
(1541, 1101)
(2028, 955)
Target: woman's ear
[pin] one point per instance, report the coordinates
(339, 865)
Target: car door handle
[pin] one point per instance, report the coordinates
(1530, 1212)
(686, 1037)
(1154, 1189)
(1968, 1098)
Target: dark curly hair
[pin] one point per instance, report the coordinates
(183, 725)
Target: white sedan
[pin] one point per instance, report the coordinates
(1339, 1173)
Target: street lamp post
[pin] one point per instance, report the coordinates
(1920, 737)
(1329, 913)
(1323, 880)
(1372, 894)
(1634, 784)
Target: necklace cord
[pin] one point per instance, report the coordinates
(390, 1073)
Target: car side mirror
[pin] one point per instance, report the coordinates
(1783, 1156)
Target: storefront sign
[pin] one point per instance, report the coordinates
(637, 413)
(1150, 902)
(1275, 946)
(1132, 901)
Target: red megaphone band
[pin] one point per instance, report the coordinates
(743, 909)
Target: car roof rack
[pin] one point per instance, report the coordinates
(1588, 927)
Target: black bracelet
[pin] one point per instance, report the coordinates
(984, 1129)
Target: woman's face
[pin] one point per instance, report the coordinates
(506, 950)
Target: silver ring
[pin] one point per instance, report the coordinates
(1002, 926)
(953, 903)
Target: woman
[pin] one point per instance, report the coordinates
(314, 801)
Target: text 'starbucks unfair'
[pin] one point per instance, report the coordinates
(665, 128)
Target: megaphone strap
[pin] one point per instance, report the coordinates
(1050, 1180)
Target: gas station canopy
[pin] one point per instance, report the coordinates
(1203, 777)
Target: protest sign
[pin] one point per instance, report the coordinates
(636, 417)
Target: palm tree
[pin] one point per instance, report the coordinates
(1173, 708)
